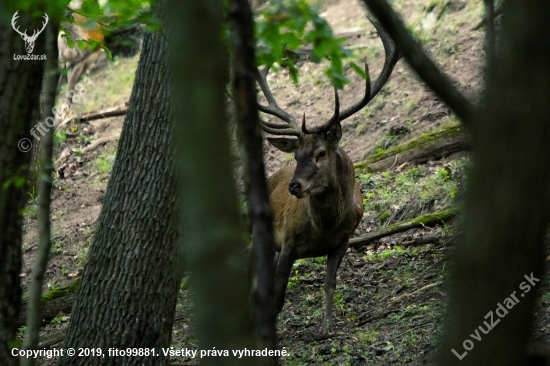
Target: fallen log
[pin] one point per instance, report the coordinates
(417, 222)
(53, 302)
(112, 112)
(435, 144)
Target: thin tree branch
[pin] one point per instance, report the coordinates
(259, 210)
(417, 58)
(34, 307)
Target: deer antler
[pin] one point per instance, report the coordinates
(291, 127)
(392, 56)
(324, 127)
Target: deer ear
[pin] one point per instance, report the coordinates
(334, 133)
(285, 144)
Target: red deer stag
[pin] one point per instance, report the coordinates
(75, 59)
(317, 204)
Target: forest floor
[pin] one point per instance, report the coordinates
(390, 294)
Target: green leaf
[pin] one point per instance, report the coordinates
(81, 44)
(360, 71)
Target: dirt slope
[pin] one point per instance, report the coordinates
(389, 300)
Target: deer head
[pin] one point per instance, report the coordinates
(314, 148)
(29, 40)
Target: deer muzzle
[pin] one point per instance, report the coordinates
(295, 188)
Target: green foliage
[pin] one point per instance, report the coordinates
(59, 319)
(391, 197)
(32, 194)
(545, 299)
(286, 25)
(54, 8)
(56, 293)
(59, 137)
(339, 301)
(395, 251)
(385, 142)
(369, 337)
(84, 140)
(17, 181)
(443, 174)
(113, 15)
(104, 163)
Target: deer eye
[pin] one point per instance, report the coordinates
(321, 154)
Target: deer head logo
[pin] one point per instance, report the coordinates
(29, 40)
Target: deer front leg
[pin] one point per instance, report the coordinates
(333, 263)
(284, 267)
(72, 80)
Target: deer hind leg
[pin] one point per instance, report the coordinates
(75, 74)
(60, 80)
(333, 263)
(284, 267)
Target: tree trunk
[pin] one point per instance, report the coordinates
(20, 85)
(129, 287)
(214, 233)
(259, 209)
(500, 255)
(499, 259)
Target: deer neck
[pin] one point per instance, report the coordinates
(328, 209)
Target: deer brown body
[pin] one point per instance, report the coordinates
(74, 59)
(327, 217)
(317, 224)
(317, 204)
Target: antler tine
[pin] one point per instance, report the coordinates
(291, 128)
(324, 127)
(363, 102)
(277, 129)
(392, 56)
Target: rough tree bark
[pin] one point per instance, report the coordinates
(507, 204)
(20, 86)
(259, 210)
(499, 259)
(214, 233)
(129, 288)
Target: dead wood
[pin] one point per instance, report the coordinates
(420, 221)
(430, 239)
(100, 141)
(424, 288)
(58, 338)
(54, 302)
(438, 143)
(113, 112)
